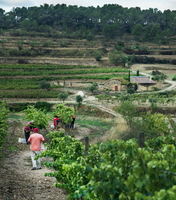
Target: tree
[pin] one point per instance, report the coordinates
(79, 99)
(98, 57)
(90, 37)
(44, 85)
(128, 112)
(93, 87)
(116, 57)
(155, 124)
(153, 101)
(111, 30)
(137, 31)
(63, 95)
(160, 77)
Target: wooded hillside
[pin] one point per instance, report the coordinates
(111, 20)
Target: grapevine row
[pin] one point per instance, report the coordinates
(114, 170)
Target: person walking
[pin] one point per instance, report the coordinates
(27, 129)
(73, 121)
(35, 140)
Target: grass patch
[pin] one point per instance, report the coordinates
(98, 123)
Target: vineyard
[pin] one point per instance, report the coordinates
(112, 166)
(26, 78)
(113, 170)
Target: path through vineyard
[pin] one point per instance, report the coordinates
(18, 181)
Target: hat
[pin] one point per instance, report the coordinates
(32, 122)
(35, 129)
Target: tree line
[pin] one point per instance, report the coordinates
(111, 20)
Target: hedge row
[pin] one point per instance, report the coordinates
(28, 94)
(17, 107)
(42, 66)
(152, 60)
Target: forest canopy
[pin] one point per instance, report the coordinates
(110, 20)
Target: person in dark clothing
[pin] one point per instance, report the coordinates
(27, 129)
(73, 121)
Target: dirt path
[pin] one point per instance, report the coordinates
(17, 180)
(42, 187)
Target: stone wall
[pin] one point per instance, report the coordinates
(110, 85)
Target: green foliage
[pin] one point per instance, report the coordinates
(124, 97)
(18, 107)
(93, 87)
(53, 53)
(63, 95)
(130, 90)
(44, 84)
(79, 99)
(28, 94)
(113, 170)
(160, 77)
(155, 124)
(42, 105)
(117, 57)
(153, 101)
(138, 30)
(63, 112)
(137, 73)
(63, 44)
(98, 57)
(128, 112)
(3, 121)
(41, 120)
(90, 37)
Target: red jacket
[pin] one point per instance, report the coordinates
(56, 121)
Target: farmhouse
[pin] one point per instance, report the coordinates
(143, 82)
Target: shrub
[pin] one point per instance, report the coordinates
(90, 37)
(19, 107)
(63, 44)
(130, 90)
(63, 95)
(44, 84)
(93, 87)
(79, 99)
(155, 88)
(98, 57)
(53, 53)
(43, 106)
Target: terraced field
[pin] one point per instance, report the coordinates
(23, 80)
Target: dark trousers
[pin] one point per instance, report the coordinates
(72, 124)
(26, 136)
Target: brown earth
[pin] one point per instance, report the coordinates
(17, 180)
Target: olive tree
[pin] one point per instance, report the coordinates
(63, 95)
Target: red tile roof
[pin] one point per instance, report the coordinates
(142, 80)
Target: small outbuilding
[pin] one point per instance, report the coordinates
(115, 84)
(143, 82)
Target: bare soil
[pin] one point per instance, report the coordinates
(17, 180)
